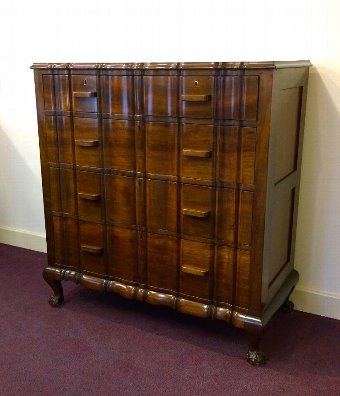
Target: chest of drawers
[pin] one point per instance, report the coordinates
(174, 183)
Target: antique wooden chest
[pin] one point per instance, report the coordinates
(174, 183)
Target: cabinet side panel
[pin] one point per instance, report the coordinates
(285, 149)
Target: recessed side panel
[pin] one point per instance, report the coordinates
(286, 132)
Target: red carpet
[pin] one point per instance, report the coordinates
(105, 345)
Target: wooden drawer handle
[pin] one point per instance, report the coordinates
(91, 249)
(196, 98)
(195, 213)
(87, 143)
(84, 94)
(194, 270)
(90, 197)
(197, 153)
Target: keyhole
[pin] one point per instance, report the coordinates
(196, 83)
(85, 82)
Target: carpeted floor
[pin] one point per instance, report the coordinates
(105, 345)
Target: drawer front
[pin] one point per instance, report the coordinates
(240, 98)
(84, 93)
(118, 95)
(198, 211)
(121, 200)
(92, 247)
(119, 144)
(62, 190)
(237, 149)
(197, 96)
(65, 242)
(197, 152)
(160, 95)
(56, 92)
(161, 205)
(87, 142)
(123, 253)
(90, 196)
(161, 148)
(162, 262)
(196, 269)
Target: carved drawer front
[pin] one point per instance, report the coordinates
(161, 205)
(84, 93)
(65, 242)
(160, 95)
(196, 269)
(197, 152)
(123, 253)
(240, 98)
(162, 262)
(198, 211)
(90, 196)
(161, 148)
(237, 148)
(58, 134)
(121, 200)
(119, 144)
(118, 95)
(62, 190)
(56, 92)
(92, 247)
(197, 96)
(87, 142)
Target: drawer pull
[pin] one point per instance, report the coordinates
(196, 213)
(91, 249)
(197, 153)
(196, 98)
(194, 270)
(87, 143)
(84, 94)
(90, 197)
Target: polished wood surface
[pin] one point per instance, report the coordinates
(174, 183)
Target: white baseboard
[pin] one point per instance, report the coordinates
(317, 302)
(22, 238)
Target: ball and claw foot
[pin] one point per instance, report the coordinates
(256, 357)
(287, 307)
(56, 301)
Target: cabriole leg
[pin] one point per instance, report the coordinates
(50, 276)
(254, 355)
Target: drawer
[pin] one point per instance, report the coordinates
(198, 211)
(162, 262)
(92, 247)
(160, 95)
(196, 269)
(161, 205)
(197, 96)
(118, 95)
(62, 190)
(65, 242)
(161, 148)
(237, 152)
(119, 144)
(123, 253)
(240, 97)
(90, 196)
(84, 93)
(56, 92)
(197, 152)
(87, 142)
(121, 200)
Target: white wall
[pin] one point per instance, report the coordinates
(179, 30)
